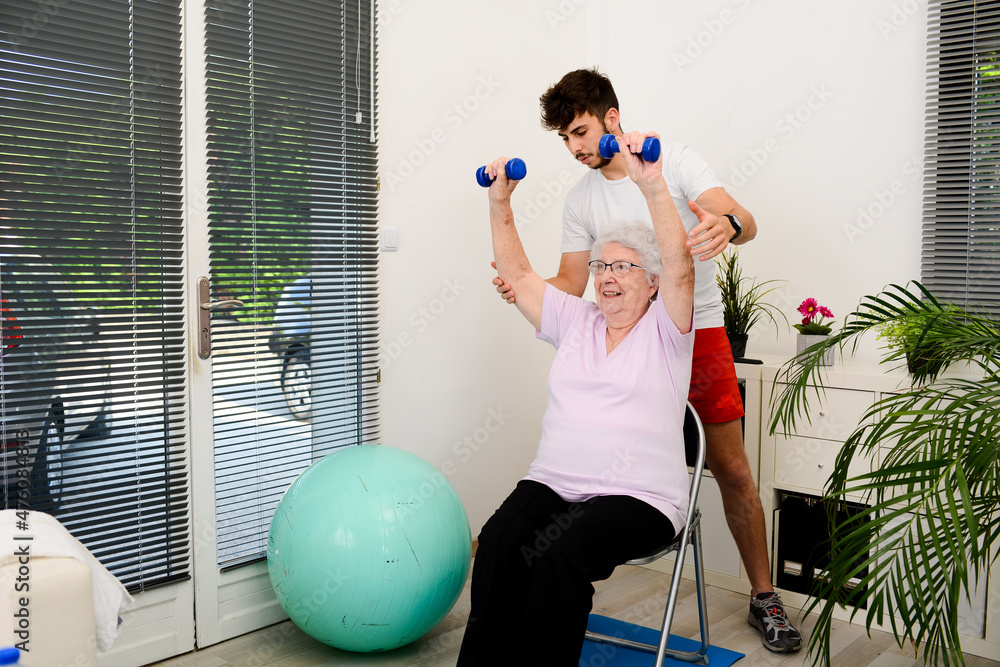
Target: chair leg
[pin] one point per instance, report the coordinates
(699, 656)
(699, 564)
(661, 650)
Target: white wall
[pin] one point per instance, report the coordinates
(810, 112)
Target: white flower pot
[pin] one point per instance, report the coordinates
(803, 341)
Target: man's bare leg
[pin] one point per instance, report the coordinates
(727, 459)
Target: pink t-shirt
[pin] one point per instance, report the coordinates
(614, 423)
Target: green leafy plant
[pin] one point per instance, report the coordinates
(933, 506)
(909, 334)
(743, 298)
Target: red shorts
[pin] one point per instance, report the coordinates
(714, 391)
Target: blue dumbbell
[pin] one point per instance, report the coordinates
(516, 170)
(608, 146)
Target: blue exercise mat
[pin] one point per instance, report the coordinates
(596, 654)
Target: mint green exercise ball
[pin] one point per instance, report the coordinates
(369, 548)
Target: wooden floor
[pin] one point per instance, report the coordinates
(633, 594)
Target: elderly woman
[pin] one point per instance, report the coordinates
(609, 482)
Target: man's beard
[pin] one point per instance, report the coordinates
(597, 160)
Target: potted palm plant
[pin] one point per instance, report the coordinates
(742, 300)
(933, 506)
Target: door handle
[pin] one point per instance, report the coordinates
(214, 305)
(206, 306)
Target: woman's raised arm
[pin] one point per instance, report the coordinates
(677, 279)
(508, 253)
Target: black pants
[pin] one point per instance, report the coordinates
(532, 578)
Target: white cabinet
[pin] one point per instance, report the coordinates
(834, 414)
(804, 464)
(802, 461)
(796, 466)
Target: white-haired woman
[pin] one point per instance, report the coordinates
(609, 482)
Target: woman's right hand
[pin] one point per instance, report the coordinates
(502, 187)
(647, 175)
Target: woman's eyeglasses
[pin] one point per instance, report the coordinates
(620, 268)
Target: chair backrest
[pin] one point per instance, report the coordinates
(693, 433)
(694, 452)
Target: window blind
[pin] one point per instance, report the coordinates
(292, 218)
(93, 365)
(961, 218)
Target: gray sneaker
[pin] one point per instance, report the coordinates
(768, 616)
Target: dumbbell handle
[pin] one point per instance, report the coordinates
(516, 170)
(608, 146)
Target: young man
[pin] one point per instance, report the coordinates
(581, 108)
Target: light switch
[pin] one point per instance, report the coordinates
(390, 239)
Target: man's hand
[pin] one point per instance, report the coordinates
(505, 291)
(710, 236)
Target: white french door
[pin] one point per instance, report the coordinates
(282, 288)
(188, 283)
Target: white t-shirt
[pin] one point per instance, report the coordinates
(614, 423)
(595, 203)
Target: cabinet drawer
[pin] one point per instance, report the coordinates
(834, 414)
(808, 462)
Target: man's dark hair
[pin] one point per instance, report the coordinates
(579, 91)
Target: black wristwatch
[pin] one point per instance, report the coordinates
(737, 225)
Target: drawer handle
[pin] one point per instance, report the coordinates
(793, 568)
(820, 465)
(822, 413)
